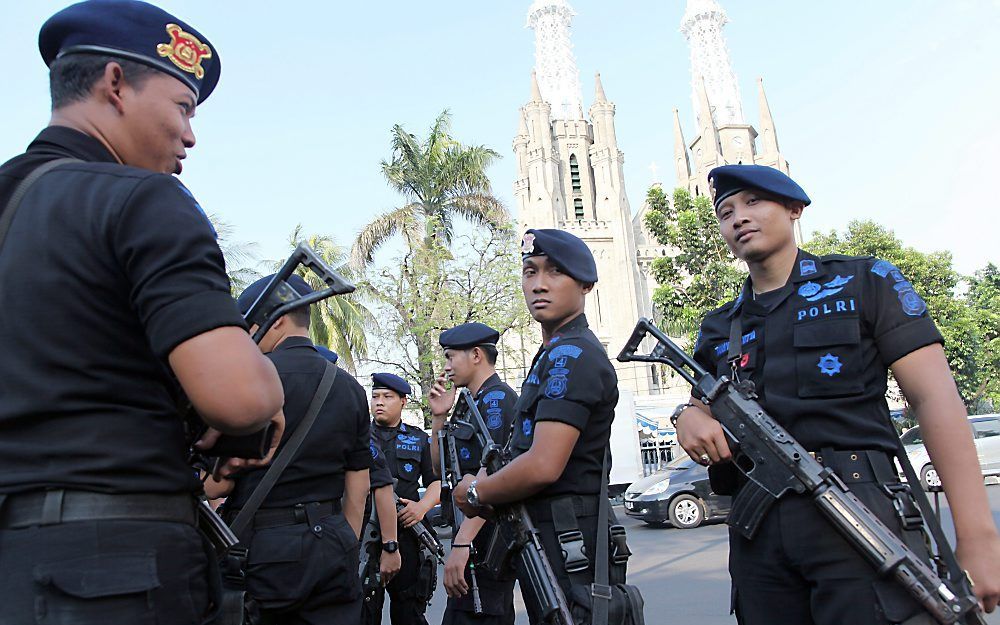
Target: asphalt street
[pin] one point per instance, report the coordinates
(682, 573)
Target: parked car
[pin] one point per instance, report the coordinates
(986, 435)
(679, 494)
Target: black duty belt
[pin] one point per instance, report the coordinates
(293, 515)
(540, 509)
(66, 506)
(859, 466)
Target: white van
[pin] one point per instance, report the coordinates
(985, 432)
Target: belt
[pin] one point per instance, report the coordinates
(540, 510)
(859, 466)
(66, 506)
(299, 513)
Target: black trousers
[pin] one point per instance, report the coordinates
(799, 570)
(406, 605)
(497, 596)
(301, 577)
(101, 572)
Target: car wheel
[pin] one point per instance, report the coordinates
(686, 512)
(929, 477)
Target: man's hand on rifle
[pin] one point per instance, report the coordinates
(701, 436)
(412, 514)
(462, 489)
(440, 399)
(388, 565)
(454, 572)
(232, 466)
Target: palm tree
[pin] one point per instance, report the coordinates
(336, 322)
(240, 256)
(440, 179)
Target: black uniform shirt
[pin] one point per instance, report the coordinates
(818, 349)
(496, 401)
(408, 455)
(571, 381)
(105, 270)
(378, 474)
(337, 442)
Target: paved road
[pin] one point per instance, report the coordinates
(682, 573)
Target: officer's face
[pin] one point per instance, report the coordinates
(755, 226)
(387, 406)
(551, 295)
(459, 365)
(156, 124)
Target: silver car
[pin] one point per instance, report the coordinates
(986, 434)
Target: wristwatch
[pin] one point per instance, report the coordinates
(471, 495)
(390, 546)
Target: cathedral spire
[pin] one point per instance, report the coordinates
(702, 27)
(599, 89)
(769, 137)
(681, 160)
(558, 76)
(536, 94)
(707, 129)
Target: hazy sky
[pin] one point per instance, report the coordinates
(885, 110)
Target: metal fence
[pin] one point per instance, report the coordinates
(656, 454)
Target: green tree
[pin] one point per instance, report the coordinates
(702, 274)
(440, 179)
(933, 278)
(983, 298)
(337, 322)
(240, 256)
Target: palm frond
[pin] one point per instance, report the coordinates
(376, 233)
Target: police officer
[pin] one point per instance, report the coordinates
(408, 455)
(303, 543)
(817, 336)
(116, 287)
(470, 352)
(563, 418)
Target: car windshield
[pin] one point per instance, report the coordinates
(679, 463)
(912, 437)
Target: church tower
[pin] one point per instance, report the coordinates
(724, 137)
(570, 176)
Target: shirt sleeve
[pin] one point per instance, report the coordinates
(359, 454)
(497, 408)
(427, 475)
(378, 473)
(167, 249)
(573, 381)
(899, 320)
(704, 350)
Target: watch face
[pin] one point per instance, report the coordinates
(390, 546)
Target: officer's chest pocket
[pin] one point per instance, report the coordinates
(88, 590)
(469, 456)
(408, 463)
(828, 358)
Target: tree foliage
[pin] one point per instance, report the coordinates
(702, 274)
(240, 256)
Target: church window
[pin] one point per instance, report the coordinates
(574, 173)
(578, 209)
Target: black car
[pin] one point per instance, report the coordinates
(680, 494)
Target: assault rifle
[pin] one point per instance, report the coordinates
(775, 464)
(516, 535)
(277, 299)
(451, 475)
(427, 539)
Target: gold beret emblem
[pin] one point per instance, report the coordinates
(528, 243)
(711, 187)
(185, 51)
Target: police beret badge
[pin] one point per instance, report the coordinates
(185, 51)
(528, 243)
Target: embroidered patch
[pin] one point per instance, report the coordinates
(556, 387)
(408, 440)
(526, 426)
(374, 450)
(528, 243)
(408, 467)
(811, 293)
(745, 360)
(882, 268)
(185, 51)
(807, 267)
(493, 397)
(913, 305)
(829, 365)
(832, 307)
(465, 453)
(723, 347)
(563, 352)
(494, 421)
(532, 379)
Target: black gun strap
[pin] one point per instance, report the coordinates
(246, 513)
(945, 552)
(601, 590)
(7, 217)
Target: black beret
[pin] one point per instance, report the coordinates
(252, 292)
(567, 251)
(328, 353)
(731, 179)
(469, 335)
(135, 31)
(391, 382)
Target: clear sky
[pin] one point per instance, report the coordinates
(885, 110)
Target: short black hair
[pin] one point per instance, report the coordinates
(490, 351)
(301, 316)
(72, 77)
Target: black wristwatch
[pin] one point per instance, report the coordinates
(390, 546)
(677, 413)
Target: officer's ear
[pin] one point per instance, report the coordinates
(795, 210)
(586, 286)
(402, 399)
(109, 85)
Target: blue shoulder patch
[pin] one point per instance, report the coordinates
(556, 386)
(201, 210)
(882, 268)
(807, 266)
(494, 396)
(570, 351)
